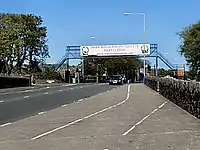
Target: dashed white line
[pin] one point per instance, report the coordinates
(1, 101)
(6, 124)
(46, 93)
(143, 119)
(78, 120)
(24, 91)
(5, 93)
(26, 96)
(60, 90)
(40, 113)
(69, 84)
(71, 88)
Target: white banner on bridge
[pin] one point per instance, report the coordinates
(115, 50)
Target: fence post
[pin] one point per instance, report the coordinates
(157, 86)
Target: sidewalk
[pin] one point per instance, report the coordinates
(122, 119)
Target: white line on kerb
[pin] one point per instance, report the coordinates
(64, 105)
(143, 119)
(80, 100)
(6, 124)
(40, 113)
(81, 119)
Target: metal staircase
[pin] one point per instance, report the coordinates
(61, 62)
(165, 60)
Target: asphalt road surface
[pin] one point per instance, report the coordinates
(129, 117)
(20, 104)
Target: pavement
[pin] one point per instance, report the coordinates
(128, 117)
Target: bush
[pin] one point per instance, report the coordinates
(182, 93)
(48, 74)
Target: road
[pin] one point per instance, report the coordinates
(19, 104)
(129, 117)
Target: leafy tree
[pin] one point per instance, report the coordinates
(111, 65)
(162, 72)
(190, 47)
(48, 74)
(23, 38)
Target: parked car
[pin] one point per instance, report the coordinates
(116, 79)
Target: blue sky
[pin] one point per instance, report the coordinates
(73, 22)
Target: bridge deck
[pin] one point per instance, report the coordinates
(126, 118)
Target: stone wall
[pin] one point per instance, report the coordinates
(10, 82)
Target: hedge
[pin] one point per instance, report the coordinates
(185, 94)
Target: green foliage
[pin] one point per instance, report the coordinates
(190, 47)
(111, 65)
(162, 72)
(23, 38)
(48, 74)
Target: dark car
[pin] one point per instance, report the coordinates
(116, 79)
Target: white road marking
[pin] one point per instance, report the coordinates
(40, 113)
(60, 90)
(5, 93)
(6, 124)
(26, 96)
(80, 100)
(46, 93)
(71, 88)
(69, 84)
(78, 120)
(64, 105)
(24, 91)
(1, 101)
(143, 119)
(47, 87)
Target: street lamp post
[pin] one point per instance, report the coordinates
(144, 31)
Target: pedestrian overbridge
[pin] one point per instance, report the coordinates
(74, 52)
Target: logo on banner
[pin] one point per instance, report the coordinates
(144, 49)
(85, 50)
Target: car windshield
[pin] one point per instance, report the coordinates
(117, 77)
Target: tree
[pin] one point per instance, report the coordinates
(111, 65)
(23, 38)
(162, 72)
(190, 47)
